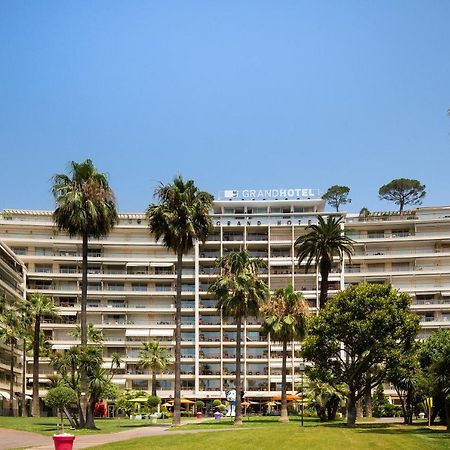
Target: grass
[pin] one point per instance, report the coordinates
(267, 436)
(49, 425)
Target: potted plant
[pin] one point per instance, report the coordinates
(61, 397)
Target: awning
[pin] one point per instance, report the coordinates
(141, 264)
(61, 346)
(280, 263)
(445, 294)
(67, 313)
(162, 332)
(5, 395)
(137, 333)
(121, 381)
(161, 264)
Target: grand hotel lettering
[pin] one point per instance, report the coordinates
(268, 194)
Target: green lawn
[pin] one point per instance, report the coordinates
(291, 436)
(48, 425)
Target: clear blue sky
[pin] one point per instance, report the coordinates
(232, 93)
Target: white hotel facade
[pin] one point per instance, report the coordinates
(131, 287)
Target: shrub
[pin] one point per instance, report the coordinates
(216, 403)
(153, 401)
(61, 397)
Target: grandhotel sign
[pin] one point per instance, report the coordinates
(270, 194)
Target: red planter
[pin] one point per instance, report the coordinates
(63, 441)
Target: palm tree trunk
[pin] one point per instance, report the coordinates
(83, 326)
(284, 413)
(36, 408)
(177, 388)
(238, 413)
(24, 377)
(154, 383)
(11, 380)
(324, 272)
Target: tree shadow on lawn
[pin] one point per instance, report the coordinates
(398, 429)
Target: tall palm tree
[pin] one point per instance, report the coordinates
(9, 331)
(37, 307)
(239, 292)
(154, 357)
(26, 333)
(180, 217)
(323, 241)
(86, 207)
(285, 321)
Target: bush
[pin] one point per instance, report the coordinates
(216, 403)
(200, 404)
(153, 401)
(61, 397)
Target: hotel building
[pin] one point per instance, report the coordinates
(131, 286)
(12, 289)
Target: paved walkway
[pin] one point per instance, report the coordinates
(17, 439)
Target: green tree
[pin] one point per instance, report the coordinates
(180, 218)
(38, 306)
(155, 357)
(320, 245)
(360, 331)
(9, 331)
(285, 321)
(403, 191)
(85, 207)
(434, 359)
(61, 397)
(239, 291)
(337, 196)
(326, 397)
(405, 374)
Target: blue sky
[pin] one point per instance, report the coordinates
(235, 94)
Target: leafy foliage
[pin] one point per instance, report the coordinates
(321, 244)
(359, 332)
(181, 215)
(285, 320)
(337, 196)
(85, 202)
(403, 191)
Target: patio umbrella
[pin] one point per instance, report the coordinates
(139, 400)
(185, 401)
(167, 404)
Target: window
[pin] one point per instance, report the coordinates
(375, 234)
(40, 251)
(67, 269)
(139, 384)
(43, 268)
(20, 250)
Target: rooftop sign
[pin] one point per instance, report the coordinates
(270, 194)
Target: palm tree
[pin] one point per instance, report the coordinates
(154, 357)
(26, 333)
(239, 292)
(285, 321)
(324, 241)
(86, 207)
(9, 330)
(180, 217)
(37, 307)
